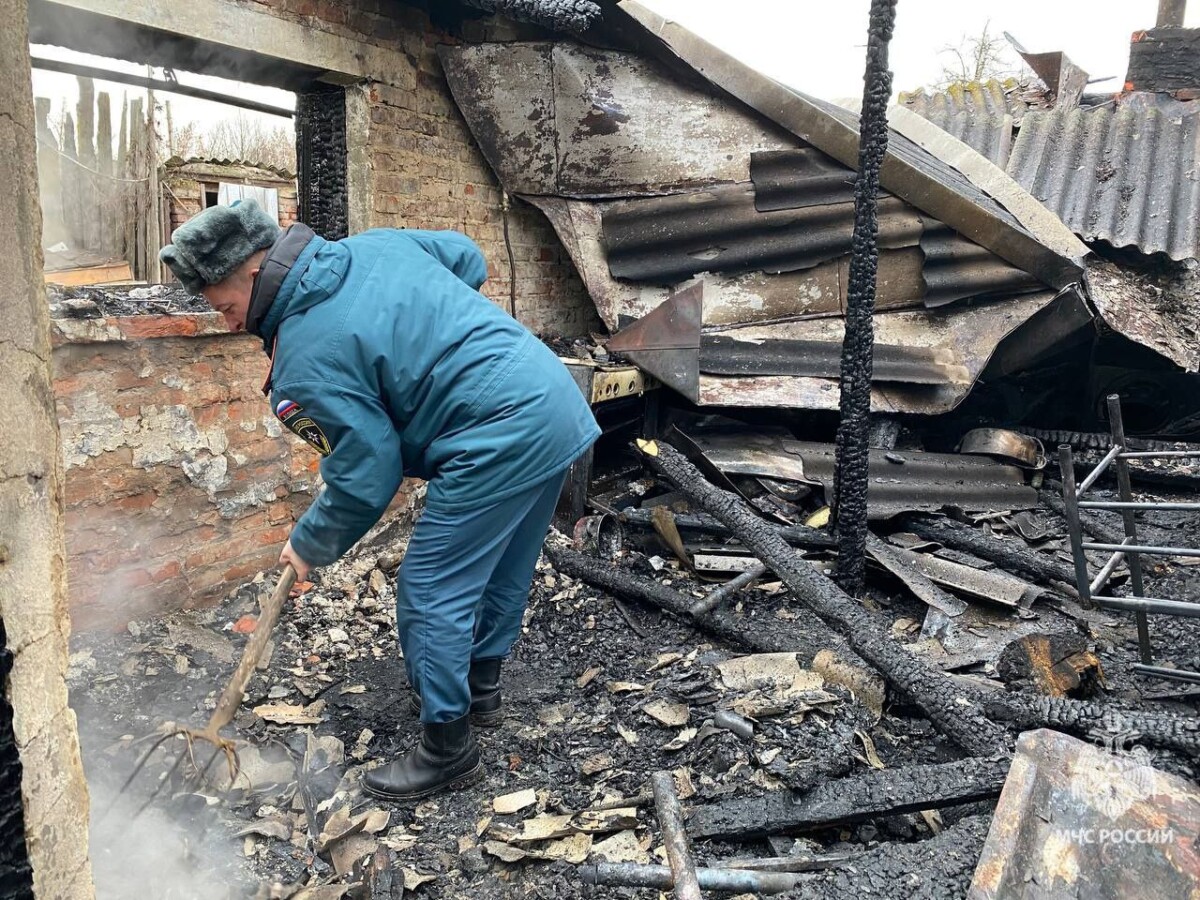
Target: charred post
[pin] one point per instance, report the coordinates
(853, 434)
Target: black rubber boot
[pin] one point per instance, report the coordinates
(487, 711)
(446, 758)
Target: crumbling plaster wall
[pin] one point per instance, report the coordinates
(419, 166)
(179, 481)
(32, 586)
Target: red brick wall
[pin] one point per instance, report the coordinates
(180, 483)
(428, 171)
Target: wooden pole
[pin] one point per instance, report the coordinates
(69, 182)
(49, 176)
(85, 143)
(153, 194)
(137, 166)
(108, 194)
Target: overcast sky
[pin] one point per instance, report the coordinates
(816, 46)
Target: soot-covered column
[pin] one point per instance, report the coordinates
(321, 161)
(853, 444)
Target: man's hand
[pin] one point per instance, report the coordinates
(291, 556)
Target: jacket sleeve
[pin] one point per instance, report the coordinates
(456, 252)
(362, 469)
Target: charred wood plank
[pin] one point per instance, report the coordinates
(955, 714)
(962, 537)
(796, 535)
(939, 867)
(1086, 719)
(846, 800)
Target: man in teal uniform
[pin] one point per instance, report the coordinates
(387, 359)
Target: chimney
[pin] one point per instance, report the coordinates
(1170, 13)
(1166, 58)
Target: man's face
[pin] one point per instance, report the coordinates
(231, 297)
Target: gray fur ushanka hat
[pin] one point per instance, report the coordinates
(208, 247)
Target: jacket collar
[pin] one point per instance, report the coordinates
(283, 264)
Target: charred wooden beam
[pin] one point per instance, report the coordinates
(952, 711)
(807, 636)
(796, 535)
(842, 801)
(939, 867)
(1085, 719)
(1025, 562)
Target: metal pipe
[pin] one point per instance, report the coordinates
(1171, 13)
(1144, 548)
(1160, 454)
(1066, 465)
(736, 881)
(1101, 580)
(675, 839)
(1098, 471)
(1151, 605)
(1162, 672)
(787, 863)
(157, 84)
(1137, 504)
(717, 596)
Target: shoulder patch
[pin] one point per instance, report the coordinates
(300, 423)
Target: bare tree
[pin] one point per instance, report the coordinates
(250, 139)
(980, 58)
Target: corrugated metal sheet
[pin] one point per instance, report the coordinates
(668, 239)
(915, 481)
(977, 114)
(1126, 176)
(955, 268)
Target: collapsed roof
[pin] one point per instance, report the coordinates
(709, 210)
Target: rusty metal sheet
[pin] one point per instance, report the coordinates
(628, 126)
(971, 334)
(1075, 820)
(920, 482)
(666, 342)
(1065, 80)
(504, 90)
(909, 171)
(1159, 312)
(576, 121)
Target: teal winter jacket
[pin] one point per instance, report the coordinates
(389, 361)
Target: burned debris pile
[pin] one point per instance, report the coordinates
(93, 302)
(817, 744)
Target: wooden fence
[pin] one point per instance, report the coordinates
(99, 197)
